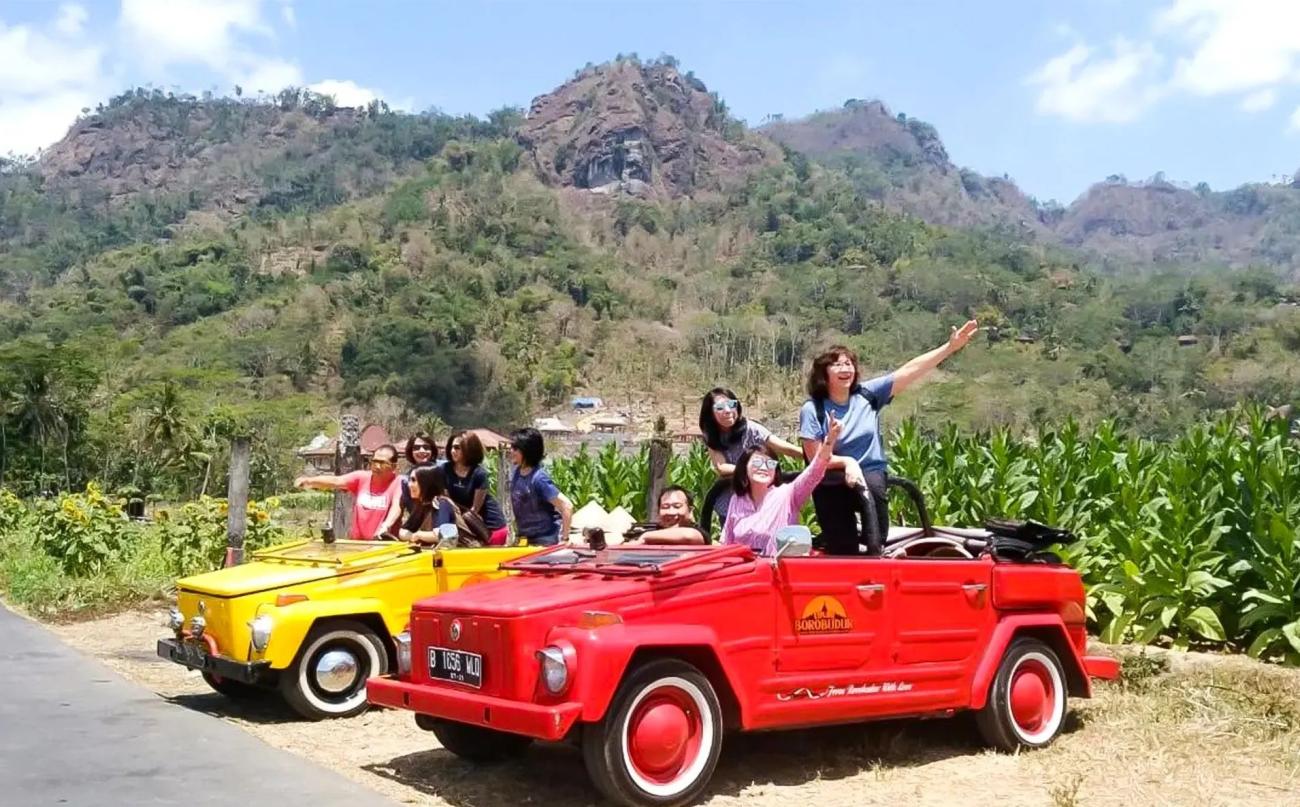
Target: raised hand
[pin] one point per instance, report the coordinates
(959, 337)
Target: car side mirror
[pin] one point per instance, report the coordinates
(447, 534)
(793, 541)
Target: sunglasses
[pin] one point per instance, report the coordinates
(455, 446)
(421, 447)
(726, 406)
(381, 463)
(763, 463)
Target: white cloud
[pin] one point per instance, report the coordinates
(229, 37)
(1236, 45)
(1259, 100)
(72, 19)
(269, 76)
(48, 74)
(1082, 85)
(345, 92)
(1193, 47)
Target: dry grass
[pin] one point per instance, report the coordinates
(1183, 729)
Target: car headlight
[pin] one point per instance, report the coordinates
(261, 627)
(197, 625)
(555, 669)
(403, 642)
(175, 620)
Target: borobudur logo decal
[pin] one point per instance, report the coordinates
(823, 614)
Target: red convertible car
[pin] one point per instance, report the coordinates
(647, 656)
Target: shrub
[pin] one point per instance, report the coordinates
(193, 536)
(81, 531)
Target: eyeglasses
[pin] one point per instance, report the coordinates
(763, 463)
(726, 406)
(841, 363)
(381, 463)
(455, 446)
(421, 447)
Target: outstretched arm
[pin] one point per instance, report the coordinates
(784, 448)
(672, 535)
(921, 366)
(321, 482)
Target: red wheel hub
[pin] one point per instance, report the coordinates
(1032, 696)
(664, 734)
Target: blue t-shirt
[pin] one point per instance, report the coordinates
(535, 517)
(859, 424)
(461, 489)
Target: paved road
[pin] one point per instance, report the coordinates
(72, 732)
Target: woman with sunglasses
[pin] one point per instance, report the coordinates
(376, 493)
(432, 508)
(761, 504)
(467, 483)
(728, 434)
(421, 452)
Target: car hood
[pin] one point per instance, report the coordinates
(294, 564)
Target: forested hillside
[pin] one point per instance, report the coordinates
(178, 269)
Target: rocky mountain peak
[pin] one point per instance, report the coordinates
(639, 128)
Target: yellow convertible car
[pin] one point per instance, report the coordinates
(314, 619)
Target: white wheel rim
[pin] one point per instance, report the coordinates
(692, 771)
(1053, 722)
(307, 668)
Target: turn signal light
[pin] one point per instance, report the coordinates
(598, 619)
(282, 600)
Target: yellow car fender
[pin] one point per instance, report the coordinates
(290, 624)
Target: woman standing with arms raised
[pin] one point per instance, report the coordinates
(859, 451)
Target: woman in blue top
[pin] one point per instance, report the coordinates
(834, 389)
(542, 512)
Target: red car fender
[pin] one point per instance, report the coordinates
(603, 655)
(1047, 627)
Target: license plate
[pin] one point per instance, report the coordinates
(456, 665)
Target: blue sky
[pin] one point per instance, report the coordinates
(1057, 95)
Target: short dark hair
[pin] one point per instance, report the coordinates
(389, 447)
(740, 477)
(817, 384)
(709, 426)
(690, 500)
(530, 444)
(471, 448)
(410, 447)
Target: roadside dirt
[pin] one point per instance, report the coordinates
(1211, 731)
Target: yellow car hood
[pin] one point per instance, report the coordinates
(294, 564)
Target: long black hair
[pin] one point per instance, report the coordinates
(713, 436)
(433, 486)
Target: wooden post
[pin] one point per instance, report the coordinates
(237, 500)
(503, 496)
(660, 452)
(347, 458)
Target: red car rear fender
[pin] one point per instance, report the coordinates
(605, 654)
(1046, 627)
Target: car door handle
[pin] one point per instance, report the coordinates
(871, 592)
(974, 593)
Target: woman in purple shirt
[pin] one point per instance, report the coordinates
(761, 504)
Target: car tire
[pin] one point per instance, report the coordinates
(475, 743)
(235, 690)
(328, 678)
(660, 738)
(1026, 705)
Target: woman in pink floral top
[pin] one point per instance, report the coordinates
(761, 504)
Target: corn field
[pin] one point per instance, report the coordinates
(1187, 542)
